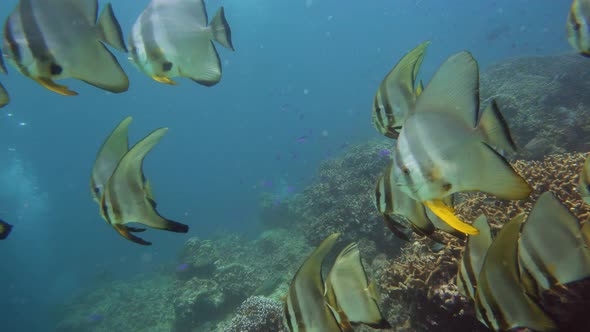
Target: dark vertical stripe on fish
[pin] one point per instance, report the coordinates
(148, 35)
(32, 33)
(14, 47)
(389, 208)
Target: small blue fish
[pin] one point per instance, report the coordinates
(290, 189)
(182, 267)
(95, 318)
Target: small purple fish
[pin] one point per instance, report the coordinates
(267, 183)
(384, 153)
(302, 139)
(182, 267)
(290, 189)
(277, 202)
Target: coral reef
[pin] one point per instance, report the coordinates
(418, 293)
(341, 197)
(257, 314)
(214, 278)
(138, 305)
(236, 270)
(544, 100)
(418, 286)
(556, 173)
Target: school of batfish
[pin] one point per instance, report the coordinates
(444, 142)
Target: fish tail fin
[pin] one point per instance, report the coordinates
(495, 129)
(126, 233)
(221, 30)
(155, 220)
(5, 229)
(4, 97)
(110, 29)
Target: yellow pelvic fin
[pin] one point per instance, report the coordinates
(447, 215)
(57, 88)
(163, 79)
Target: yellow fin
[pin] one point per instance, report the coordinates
(52, 86)
(446, 214)
(164, 79)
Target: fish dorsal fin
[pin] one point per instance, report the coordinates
(110, 29)
(349, 284)
(306, 303)
(473, 257)
(495, 129)
(4, 97)
(109, 155)
(500, 300)
(88, 8)
(419, 88)
(454, 89)
(221, 30)
(552, 248)
(132, 162)
(404, 73)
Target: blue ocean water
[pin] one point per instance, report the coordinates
(297, 90)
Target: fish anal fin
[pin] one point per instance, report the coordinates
(445, 213)
(124, 231)
(135, 230)
(57, 88)
(497, 177)
(396, 228)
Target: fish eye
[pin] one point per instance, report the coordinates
(447, 186)
(406, 170)
(96, 190)
(577, 26)
(167, 66)
(55, 69)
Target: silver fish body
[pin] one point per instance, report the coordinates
(52, 40)
(173, 38)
